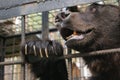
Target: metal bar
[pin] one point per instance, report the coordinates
(4, 4)
(2, 56)
(16, 5)
(23, 30)
(82, 69)
(101, 52)
(118, 2)
(13, 52)
(22, 42)
(31, 33)
(69, 65)
(11, 63)
(45, 23)
(13, 8)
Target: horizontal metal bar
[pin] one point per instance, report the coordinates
(30, 33)
(101, 52)
(4, 4)
(11, 62)
(13, 8)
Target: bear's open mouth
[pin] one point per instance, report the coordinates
(68, 34)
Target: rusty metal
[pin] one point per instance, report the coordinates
(101, 52)
(13, 8)
(22, 42)
(69, 56)
(45, 25)
(70, 77)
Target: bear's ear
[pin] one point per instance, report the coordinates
(93, 7)
(73, 9)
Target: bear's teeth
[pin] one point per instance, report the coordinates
(69, 37)
(74, 33)
(81, 36)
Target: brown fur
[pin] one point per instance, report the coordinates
(100, 29)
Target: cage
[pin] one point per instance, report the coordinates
(31, 20)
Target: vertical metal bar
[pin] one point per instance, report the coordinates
(13, 52)
(82, 68)
(22, 42)
(119, 2)
(12, 77)
(70, 66)
(45, 23)
(2, 59)
(23, 30)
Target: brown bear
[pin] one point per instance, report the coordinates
(97, 28)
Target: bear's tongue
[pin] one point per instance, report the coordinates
(76, 36)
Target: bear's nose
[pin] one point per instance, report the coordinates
(73, 17)
(61, 16)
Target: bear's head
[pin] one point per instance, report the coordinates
(97, 28)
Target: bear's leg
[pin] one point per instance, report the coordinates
(43, 58)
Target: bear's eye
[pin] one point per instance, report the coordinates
(82, 32)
